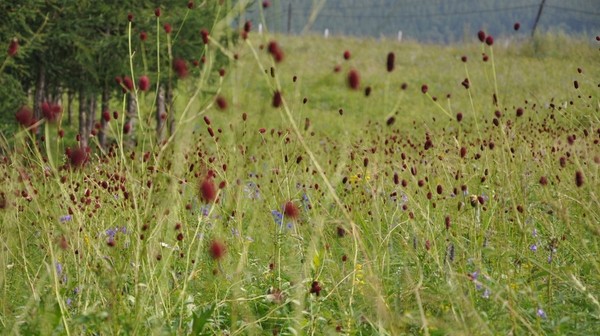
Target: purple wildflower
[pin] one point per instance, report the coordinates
(277, 217)
(541, 313)
(59, 268)
(486, 294)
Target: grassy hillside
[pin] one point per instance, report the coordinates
(400, 212)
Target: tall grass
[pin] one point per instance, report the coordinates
(406, 220)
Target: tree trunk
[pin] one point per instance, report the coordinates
(130, 121)
(40, 88)
(170, 108)
(105, 109)
(91, 114)
(70, 96)
(161, 113)
(83, 134)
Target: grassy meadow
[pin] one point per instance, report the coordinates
(413, 203)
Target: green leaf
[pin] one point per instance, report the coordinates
(200, 319)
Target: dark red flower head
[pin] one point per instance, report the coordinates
(180, 67)
(315, 288)
(144, 83)
(157, 12)
(51, 111)
(424, 88)
(13, 47)
(128, 83)
(391, 57)
(290, 210)
(78, 157)
(3, 201)
(275, 51)
(247, 26)
(277, 99)
(24, 116)
(341, 232)
(578, 178)
(143, 36)
(208, 191)
(204, 33)
(489, 40)
(266, 4)
(481, 36)
(217, 250)
(221, 102)
(347, 55)
(168, 28)
(519, 111)
(353, 79)
(516, 26)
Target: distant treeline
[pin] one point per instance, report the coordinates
(427, 20)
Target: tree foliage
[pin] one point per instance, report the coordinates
(83, 46)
